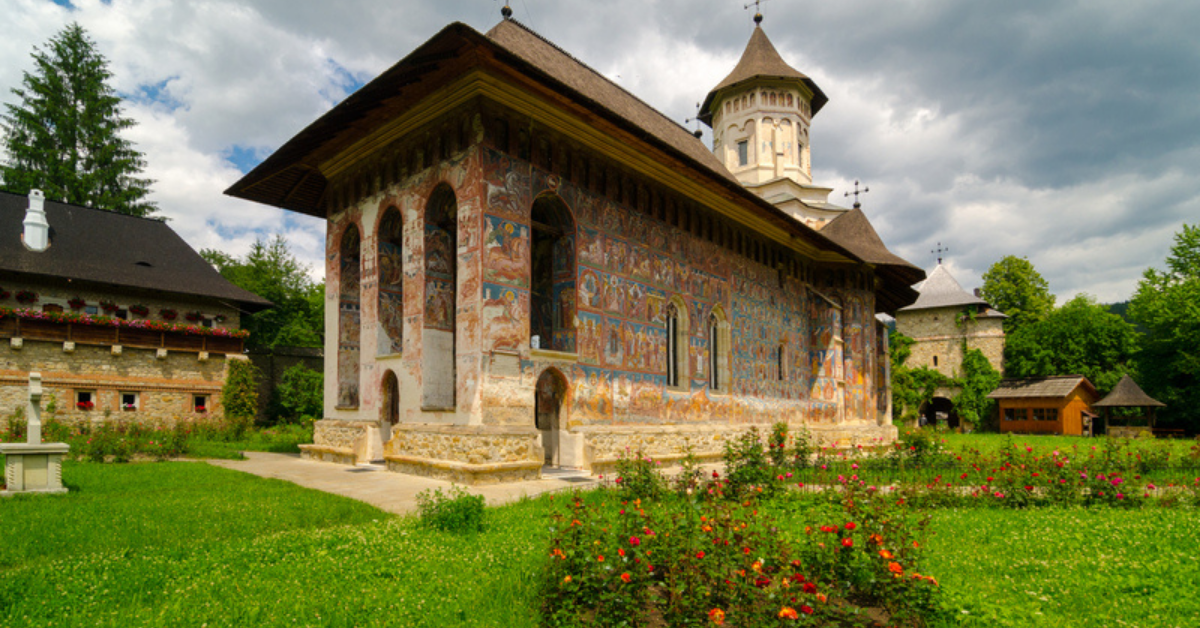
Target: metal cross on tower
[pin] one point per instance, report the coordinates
(865, 189)
(939, 250)
(757, 4)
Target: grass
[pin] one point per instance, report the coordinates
(185, 543)
(282, 439)
(1068, 567)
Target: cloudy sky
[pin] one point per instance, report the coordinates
(1066, 132)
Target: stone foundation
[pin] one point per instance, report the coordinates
(343, 442)
(473, 474)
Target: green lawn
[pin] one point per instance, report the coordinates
(184, 543)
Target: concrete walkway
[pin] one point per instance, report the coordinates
(393, 492)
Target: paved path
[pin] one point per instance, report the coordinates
(393, 492)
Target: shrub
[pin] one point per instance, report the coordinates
(746, 466)
(638, 476)
(802, 448)
(777, 444)
(239, 395)
(458, 511)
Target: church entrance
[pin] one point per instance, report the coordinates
(389, 409)
(550, 391)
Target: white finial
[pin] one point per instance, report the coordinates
(37, 230)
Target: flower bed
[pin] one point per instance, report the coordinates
(78, 318)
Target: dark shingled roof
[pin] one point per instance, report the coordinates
(853, 231)
(761, 60)
(105, 247)
(1055, 387)
(1127, 394)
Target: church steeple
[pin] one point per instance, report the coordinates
(760, 115)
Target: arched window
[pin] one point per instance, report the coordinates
(552, 275)
(717, 331)
(349, 324)
(390, 262)
(441, 272)
(677, 344)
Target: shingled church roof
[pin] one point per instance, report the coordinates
(105, 247)
(761, 60)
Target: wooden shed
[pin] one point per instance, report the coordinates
(1045, 405)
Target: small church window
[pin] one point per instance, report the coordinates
(129, 401)
(677, 342)
(935, 360)
(743, 149)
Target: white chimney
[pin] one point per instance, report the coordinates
(37, 230)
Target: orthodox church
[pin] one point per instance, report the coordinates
(528, 266)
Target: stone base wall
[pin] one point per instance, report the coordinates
(489, 454)
(1125, 431)
(343, 442)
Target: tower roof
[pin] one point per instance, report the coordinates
(941, 290)
(761, 60)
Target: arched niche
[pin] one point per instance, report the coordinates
(552, 274)
(390, 263)
(441, 273)
(349, 321)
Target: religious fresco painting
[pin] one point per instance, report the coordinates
(390, 264)
(349, 318)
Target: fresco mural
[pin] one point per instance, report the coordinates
(627, 266)
(349, 318)
(390, 262)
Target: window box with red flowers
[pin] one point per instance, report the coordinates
(108, 306)
(194, 317)
(168, 314)
(27, 297)
(76, 303)
(3, 294)
(139, 310)
(85, 405)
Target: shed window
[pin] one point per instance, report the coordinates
(1011, 414)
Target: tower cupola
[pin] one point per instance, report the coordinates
(760, 116)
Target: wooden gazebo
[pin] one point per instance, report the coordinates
(1127, 394)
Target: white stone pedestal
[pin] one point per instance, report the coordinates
(33, 468)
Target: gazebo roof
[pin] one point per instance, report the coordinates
(1127, 394)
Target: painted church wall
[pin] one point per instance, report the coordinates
(628, 266)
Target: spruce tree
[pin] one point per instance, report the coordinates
(64, 135)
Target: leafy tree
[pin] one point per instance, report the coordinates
(298, 398)
(1079, 338)
(272, 272)
(979, 378)
(64, 135)
(1167, 305)
(1013, 286)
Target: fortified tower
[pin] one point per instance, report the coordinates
(760, 116)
